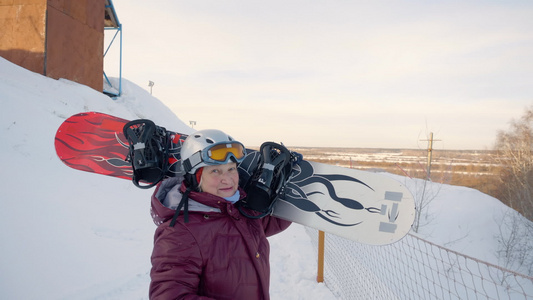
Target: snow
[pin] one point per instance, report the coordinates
(68, 234)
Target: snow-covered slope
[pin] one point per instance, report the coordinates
(67, 234)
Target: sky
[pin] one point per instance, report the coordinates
(377, 74)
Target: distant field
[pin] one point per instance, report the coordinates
(471, 168)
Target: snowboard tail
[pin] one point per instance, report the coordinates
(362, 206)
(95, 142)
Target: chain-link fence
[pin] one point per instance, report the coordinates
(413, 268)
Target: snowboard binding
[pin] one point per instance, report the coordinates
(148, 152)
(269, 179)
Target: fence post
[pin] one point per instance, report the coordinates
(320, 271)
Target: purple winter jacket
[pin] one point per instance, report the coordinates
(218, 254)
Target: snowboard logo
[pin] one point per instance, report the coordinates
(304, 175)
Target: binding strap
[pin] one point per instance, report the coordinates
(148, 152)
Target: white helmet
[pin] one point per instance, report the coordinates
(209, 147)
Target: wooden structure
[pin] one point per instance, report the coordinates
(57, 38)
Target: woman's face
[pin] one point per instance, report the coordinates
(220, 180)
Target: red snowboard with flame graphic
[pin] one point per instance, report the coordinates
(94, 142)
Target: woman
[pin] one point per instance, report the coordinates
(203, 247)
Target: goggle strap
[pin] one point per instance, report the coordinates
(192, 162)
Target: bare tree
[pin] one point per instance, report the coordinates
(515, 240)
(515, 154)
(423, 195)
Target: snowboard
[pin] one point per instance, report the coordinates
(362, 206)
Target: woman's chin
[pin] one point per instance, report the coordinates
(224, 193)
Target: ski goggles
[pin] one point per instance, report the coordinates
(223, 152)
(216, 154)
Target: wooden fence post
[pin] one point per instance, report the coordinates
(320, 271)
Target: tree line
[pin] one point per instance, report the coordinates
(515, 154)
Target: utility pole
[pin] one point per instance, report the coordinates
(192, 123)
(430, 154)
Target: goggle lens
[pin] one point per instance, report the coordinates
(220, 152)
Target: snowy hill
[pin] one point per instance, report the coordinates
(68, 234)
